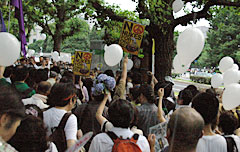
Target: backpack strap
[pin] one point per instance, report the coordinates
(64, 119)
(112, 135)
(231, 144)
(135, 138)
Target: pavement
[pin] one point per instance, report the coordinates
(181, 84)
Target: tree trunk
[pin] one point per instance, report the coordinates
(164, 45)
(57, 42)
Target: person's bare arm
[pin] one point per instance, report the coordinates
(70, 143)
(100, 118)
(160, 111)
(151, 140)
(124, 72)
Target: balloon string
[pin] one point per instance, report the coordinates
(9, 16)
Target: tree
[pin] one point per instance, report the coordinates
(223, 38)
(58, 18)
(161, 23)
(78, 41)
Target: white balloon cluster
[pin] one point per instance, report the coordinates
(230, 77)
(62, 57)
(9, 49)
(190, 44)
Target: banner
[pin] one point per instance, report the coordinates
(82, 63)
(131, 37)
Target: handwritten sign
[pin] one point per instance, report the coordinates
(80, 143)
(82, 63)
(131, 37)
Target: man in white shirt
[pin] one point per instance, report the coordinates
(208, 106)
(53, 78)
(62, 98)
(120, 115)
(40, 98)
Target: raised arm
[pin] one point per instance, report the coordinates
(124, 72)
(100, 109)
(160, 111)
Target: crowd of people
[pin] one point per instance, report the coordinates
(44, 107)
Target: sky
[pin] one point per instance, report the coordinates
(130, 5)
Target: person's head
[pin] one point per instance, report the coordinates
(184, 130)
(146, 93)
(134, 93)
(228, 123)
(41, 75)
(109, 73)
(44, 88)
(167, 88)
(193, 89)
(137, 78)
(8, 71)
(62, 95)
(184, 97)
(20, 73)
(53, 74)
(207, 105)
(41, 58)
(12, 111)
(30, 136)
(121, 113)
(23, 61)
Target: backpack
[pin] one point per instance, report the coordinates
(124, 145)
(58, 137)
(231, 144)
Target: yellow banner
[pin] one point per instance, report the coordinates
(131, 37)
(82, 63)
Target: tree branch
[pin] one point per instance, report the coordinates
(184, 20)
(107, 11)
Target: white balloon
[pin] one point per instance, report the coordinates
(225, 64)
(177, 5)
(106, 48)
(235, 67)
(231, 96)
(190, 44)
(57, 59)
(9, 49)
(130, 64)
(55, 56)
(217, 80)
(113, 55)
(178, 66)
(31, 52)
(230, 76)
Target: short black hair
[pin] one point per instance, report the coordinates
(121, 113)
(228, 122)
(43, 87)
(59, 92)
(109, 73)
(186, 96)
(148, 92)
(137, 78)
(208, 106)
(41, 75)
(34, 133)
(11, 104)
(193, 89)
(8, 71)
(20, 73)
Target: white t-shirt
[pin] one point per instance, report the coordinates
(52, 148)
(52, 118)
(214, 143)
(103, 143)
(37, 100)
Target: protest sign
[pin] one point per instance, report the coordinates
(131, 37)
(80, 143)
(160, 132)
(82, 63)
